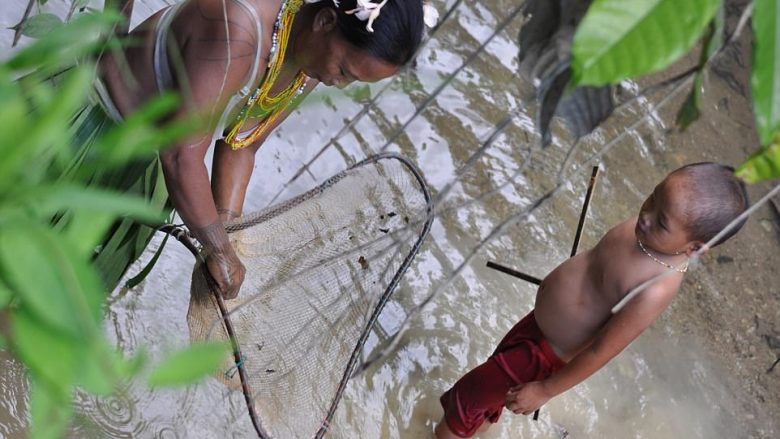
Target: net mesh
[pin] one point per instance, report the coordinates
(320, 267)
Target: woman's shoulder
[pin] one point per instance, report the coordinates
(220, 35)
(231, 21)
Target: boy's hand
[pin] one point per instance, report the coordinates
(526, 398)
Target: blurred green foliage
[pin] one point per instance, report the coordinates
(620, 39)
(49, 289)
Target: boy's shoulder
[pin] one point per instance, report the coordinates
(626, 266)
(619, 238)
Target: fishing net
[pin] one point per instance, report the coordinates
(320, 268)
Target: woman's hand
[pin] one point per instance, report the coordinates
(227, 270)
(526, 398)
(221, 259)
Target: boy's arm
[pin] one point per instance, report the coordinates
(620, 330)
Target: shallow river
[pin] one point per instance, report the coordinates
(663, 386)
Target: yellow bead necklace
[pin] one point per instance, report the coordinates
(271, 107)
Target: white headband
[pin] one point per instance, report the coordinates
(367, 10)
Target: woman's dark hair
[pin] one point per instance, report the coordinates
(397, 31)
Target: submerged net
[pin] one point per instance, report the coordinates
(320, 268)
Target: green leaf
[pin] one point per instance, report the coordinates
(129, 367)
(15, 117)
(51, 413)
(619, 39)
(139, 136)
(189, 365)
(689, 112)
(61, 289)
(5, 295)
(52, 199)
(51, 127)
(51, 355)
(138, 278)
(764, 164)
(62, 46)
(85, 230)
(40, 25)
(360, 93)
(98, 372)
(718, 35)
(765, 76)
(107, 368)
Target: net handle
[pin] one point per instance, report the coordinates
(183, 236)
(356, 353)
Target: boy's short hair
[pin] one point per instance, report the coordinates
(718, 197)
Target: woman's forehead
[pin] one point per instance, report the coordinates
(366, 67)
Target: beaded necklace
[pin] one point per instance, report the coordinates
(272, 107)
(669, 266)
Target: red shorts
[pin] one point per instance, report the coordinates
(522, 356)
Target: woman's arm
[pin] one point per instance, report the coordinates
(232, 170)
(210, 65)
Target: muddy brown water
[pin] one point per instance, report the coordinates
(701, 371)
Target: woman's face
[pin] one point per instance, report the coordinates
(329, 58)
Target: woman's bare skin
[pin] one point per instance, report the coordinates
(211, 51)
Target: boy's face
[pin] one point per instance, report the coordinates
(662, 223)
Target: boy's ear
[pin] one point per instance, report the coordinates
(694, 247)
(325, 20)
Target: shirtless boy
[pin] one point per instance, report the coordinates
(571, 333)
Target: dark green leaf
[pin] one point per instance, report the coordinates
(718, 36)
(51, 412)
(39, 25)
(619, 39)
(137, 279)
(764, 164)
(689, 112)
(190, 364)
(765, 76)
